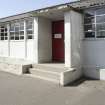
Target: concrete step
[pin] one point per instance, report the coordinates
(50, 67)
(42, 73)
(56, 73)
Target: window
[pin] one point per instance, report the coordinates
(29, 29)
(17, 31)
(3, 32)
(94, 23)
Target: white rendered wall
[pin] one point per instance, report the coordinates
(30, 50)
(73, 42)
(4, 48)
(17, 49)
(26, 49)
(94, 58)
(44, 40)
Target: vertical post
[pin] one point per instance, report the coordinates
(67, 39)
(8, 34)
(25, 39)
(95, 25)
(35, 50)
(73, 39)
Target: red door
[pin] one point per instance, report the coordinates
(58, 41)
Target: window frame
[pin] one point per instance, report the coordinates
(17, 37)
(5, 31)
(30, 29)
(95, 23)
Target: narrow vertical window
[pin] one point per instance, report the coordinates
(3, 32)
(89, 24)
(29, 29)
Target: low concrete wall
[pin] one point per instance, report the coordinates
(70, 75)
(14, 66)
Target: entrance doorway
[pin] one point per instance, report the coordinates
(58, 41)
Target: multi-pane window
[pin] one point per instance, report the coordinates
(94, 23)
(17, 31)
(3, 32)
(29, 29)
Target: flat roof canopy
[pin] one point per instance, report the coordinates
(77, 5)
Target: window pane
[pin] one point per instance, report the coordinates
(30, 37)
(89, 13)
(100, 19)
(2, 30)
(2, 38)
(89, 28)
(100, 11)
(22, 28)
(2, 34)
(21, 23)
(101, 34)
(6, 38)
(16, 28)
(5, 29)
(17, 33)
(29, 27)
(12, 29)
(21, 32)
(5, 34)
(16, 38)
(89, 20)
(17, 24)
(100, 27)
(89, 34)
(12, 37)
(11, 33)
(21, 37)
(29, 32)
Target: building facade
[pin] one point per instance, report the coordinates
(71, 33)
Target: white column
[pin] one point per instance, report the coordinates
(73, 39)
(35, 52)
(25, 40)
(8, 34)
(67, 39)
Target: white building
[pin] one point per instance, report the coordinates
(71, 34)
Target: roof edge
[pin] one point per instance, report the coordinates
(38, 10)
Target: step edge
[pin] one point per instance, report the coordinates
(43, 78)
(56, 73)
(35, 66)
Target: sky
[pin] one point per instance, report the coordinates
(12, 7)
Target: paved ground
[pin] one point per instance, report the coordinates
(22, 90)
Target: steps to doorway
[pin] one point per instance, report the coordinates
(56, 73)
(47, 71)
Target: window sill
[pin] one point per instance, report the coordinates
(16, 40)
(3, 40)
(93, 39)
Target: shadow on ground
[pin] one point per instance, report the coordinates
(80, 81)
